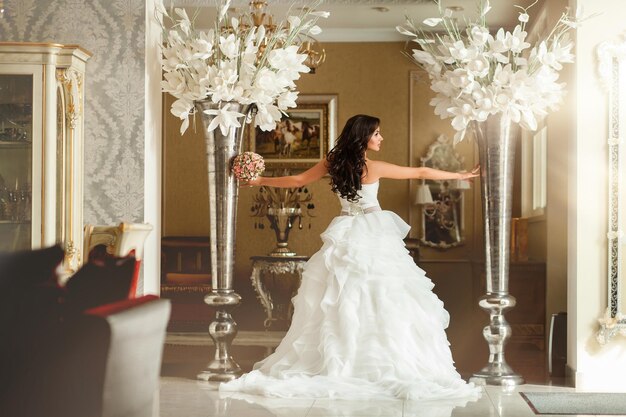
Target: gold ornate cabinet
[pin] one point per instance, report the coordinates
(41, 147)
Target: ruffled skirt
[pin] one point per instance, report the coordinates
(366, 324)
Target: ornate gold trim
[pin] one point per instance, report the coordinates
(43, 157)
(72, 82)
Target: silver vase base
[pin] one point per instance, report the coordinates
(222, 299)
(216, 376)
(215, 379)
(497, 376)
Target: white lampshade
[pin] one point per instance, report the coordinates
(423, 195)
(460, 185)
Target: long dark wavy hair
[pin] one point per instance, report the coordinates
(346, 161)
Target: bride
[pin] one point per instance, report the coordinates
(366, 323)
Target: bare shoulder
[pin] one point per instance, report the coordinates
(382, 169)
(375, 170)
(377, 167)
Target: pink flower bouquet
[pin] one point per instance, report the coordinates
(248, 166)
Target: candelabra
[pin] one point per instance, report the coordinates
(282, 207)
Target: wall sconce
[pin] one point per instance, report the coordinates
(423, 194)
(315, 52)
(441, 201)
(443, 210)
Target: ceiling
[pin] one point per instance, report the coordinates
(359, 20)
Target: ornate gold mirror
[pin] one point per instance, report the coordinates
(441, 202)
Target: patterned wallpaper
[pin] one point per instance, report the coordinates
(114, 31)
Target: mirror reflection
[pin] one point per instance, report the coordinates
(441, 201)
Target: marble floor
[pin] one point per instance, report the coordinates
(184, 397)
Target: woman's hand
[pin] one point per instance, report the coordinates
(469, 175)
(251, 183)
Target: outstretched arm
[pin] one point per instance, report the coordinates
(386, 170)
(310, 175)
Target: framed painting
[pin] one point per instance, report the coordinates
(302, 137)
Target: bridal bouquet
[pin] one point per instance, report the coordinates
(476, 74)
(235, 61)
(248, 166)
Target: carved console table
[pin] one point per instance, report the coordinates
(276, 280)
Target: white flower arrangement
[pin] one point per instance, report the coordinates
(235, 61)
(476, 74)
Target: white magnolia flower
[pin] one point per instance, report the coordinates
(185, 23)
(181, 109)
(459, 52)
(478, 75)
(202, 47)
(474, 74)
(479, 35)
(174, 83)
(267, 116)
(287, 100)
(229, 46)
(405, 31)
(223, 118)
(516, 40)
(315, 30)
(479, 66)
(485, 102)
(294, 22)
(462, 114)
(432, 21)
(289, 61)
(235, 62)
(171, 61)
(461, 79)
(424, 57)
(441, 105)
(500, 43)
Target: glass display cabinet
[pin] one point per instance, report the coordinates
(41, 147)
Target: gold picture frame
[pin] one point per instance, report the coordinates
(302, 137)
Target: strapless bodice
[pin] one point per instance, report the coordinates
(368, 201)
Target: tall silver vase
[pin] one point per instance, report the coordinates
(223, 194)
(496, 139)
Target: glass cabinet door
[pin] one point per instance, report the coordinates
(16, 159)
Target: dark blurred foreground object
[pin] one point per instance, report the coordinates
(87, 350)
(557, 348)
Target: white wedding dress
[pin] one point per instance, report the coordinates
(366, 323)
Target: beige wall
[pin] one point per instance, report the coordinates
(559, 125)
